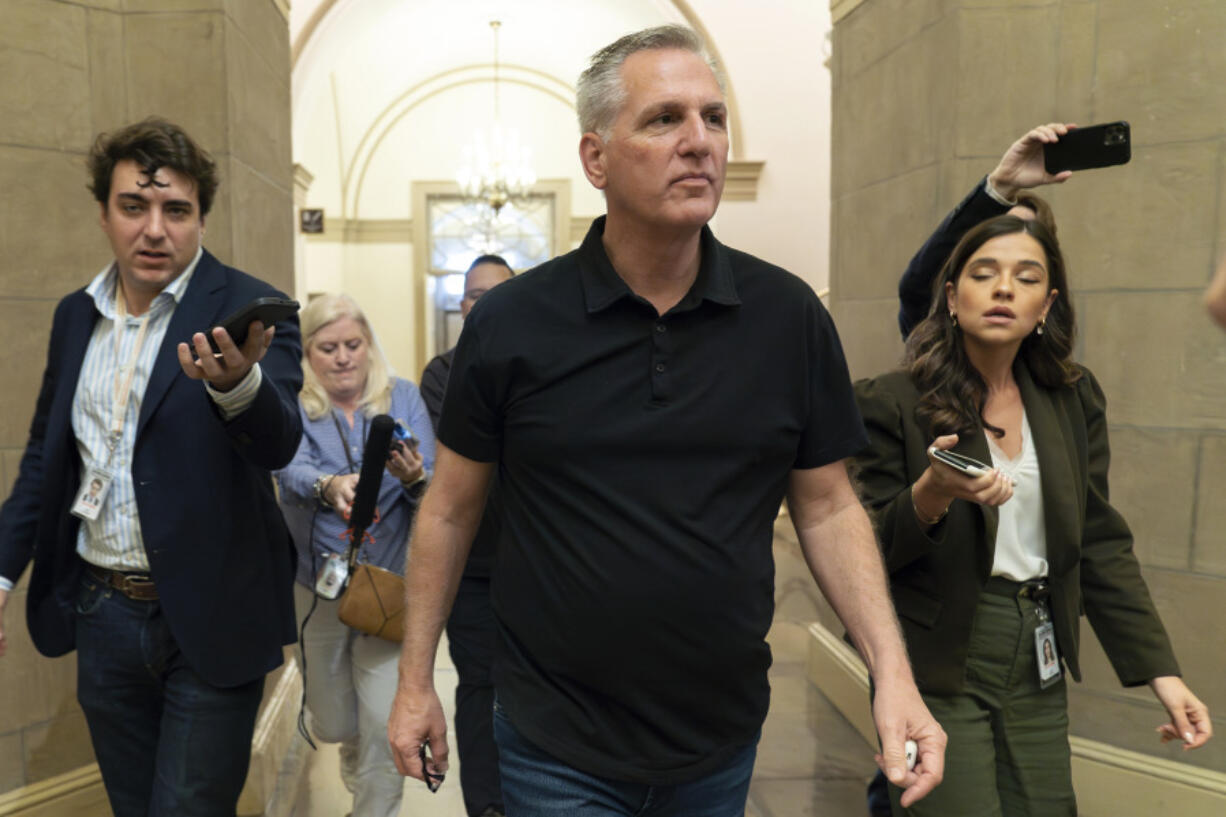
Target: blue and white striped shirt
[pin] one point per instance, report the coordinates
(114, 539)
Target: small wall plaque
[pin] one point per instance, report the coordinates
(311, 220)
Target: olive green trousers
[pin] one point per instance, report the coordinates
(1008, 751)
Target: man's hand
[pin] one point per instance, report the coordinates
(900, 715)
(1022, 165)
(1189, 717)
(224, 371)
(4, 600)
(417, 717)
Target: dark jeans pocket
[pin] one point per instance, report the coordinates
(90, 596)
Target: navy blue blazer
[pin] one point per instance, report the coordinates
(218, 547)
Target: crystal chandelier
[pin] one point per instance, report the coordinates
(497, 169)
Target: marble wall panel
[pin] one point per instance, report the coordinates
(1130, 722)
(1159, 361)
(1191, 607)
(1162, 69)
(174, 5)
(1006, 75)
(44, 45)
(885, 121)
(878, 229)
(1075, 67)
(1146, 225)
(35, 686)
(1152, 474)
(50, 239)
(59, 745)
(259, 109)
(266, 28)
(1209, 549)
(878, 28)
(12, 764)
(10, 464)
(263, 228)
(175, 65)
(868, 331)
(27, 325)
(108, 87)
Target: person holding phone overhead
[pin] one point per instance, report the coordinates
(350, 677)
(989, 571)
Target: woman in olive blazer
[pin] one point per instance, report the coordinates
(996, 347)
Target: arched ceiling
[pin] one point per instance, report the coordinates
(356, 60)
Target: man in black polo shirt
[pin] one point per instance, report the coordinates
(647, 401)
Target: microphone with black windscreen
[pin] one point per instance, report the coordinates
(366, 494)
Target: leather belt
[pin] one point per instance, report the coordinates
(1036, 589)
(136, 586)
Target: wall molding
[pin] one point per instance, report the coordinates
(741, 180)
(78, 792)
(1108, 780)
(364, 231)
(841, 8)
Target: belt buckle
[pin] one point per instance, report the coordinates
(1035, 590)
(135, 586)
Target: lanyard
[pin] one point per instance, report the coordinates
(353, 469)
(121, 392)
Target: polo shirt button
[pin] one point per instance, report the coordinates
(661, 327)
(659, 367)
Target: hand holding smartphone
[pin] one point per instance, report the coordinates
(963, 464)
(1084, 148)
(265, 310)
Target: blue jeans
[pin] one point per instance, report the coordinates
(535, 784)
(167, 741)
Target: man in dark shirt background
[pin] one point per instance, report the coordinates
(646, 400)
(470, 628)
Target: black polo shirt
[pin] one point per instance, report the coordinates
(642, 460)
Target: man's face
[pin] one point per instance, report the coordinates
(480, 280)
(154, 225)
(664, 161)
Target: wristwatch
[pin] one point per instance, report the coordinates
(321, 484)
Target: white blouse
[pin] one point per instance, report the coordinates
(1021, 538)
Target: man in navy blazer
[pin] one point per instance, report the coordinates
(174, 581)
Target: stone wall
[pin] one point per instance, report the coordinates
(927, 96)
(220, 68)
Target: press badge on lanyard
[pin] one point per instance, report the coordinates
(98, 478)
(1045, 649)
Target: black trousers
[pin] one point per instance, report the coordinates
(470, 635)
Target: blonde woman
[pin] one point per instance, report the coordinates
(350, 677)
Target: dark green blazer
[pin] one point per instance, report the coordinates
(936, 576)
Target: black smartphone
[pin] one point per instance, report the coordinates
(266, 310)
(1084, 148)
(966, 465)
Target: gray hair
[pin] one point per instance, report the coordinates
(601, 92)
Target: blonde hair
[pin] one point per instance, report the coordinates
(377, 394)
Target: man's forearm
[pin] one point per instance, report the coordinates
(437, 553)
(842, 553)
